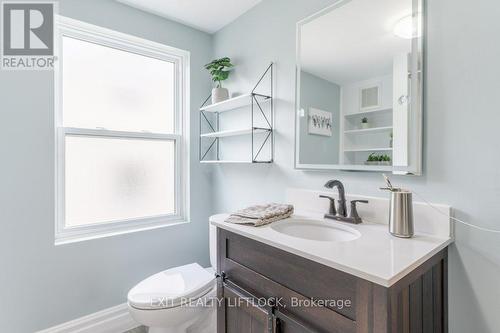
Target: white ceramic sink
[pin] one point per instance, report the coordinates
(315, 230)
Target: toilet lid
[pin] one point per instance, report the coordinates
(172, 287)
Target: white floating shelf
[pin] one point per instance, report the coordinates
(364, 113)
(355, 150)
(369, 130)
(244, 131)
(225, 162)
(235, 103)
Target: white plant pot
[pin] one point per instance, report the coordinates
(384, 163)
(365, 125)
(219, 95)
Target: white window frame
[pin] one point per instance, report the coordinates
(181, 59)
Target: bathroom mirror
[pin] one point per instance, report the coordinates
(359, 84)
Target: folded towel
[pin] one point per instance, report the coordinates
(261, 214)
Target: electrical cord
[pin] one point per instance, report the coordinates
(391, 188)
(454, 218)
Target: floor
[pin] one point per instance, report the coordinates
(205, 323)
(140, 329)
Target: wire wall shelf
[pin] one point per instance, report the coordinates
(261, 135)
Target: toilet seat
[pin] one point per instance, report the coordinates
(171, 287)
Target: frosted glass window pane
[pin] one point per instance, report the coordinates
(109, 179)
(115, 89)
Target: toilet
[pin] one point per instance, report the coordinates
(179, 299)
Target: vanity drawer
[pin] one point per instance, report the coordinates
(261, 268)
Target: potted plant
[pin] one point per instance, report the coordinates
(391, 140)
(372, 159)
(219, 70)
(384, 160)
(364, 123)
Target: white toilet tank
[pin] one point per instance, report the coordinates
(213, 246)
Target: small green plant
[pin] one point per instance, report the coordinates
(378, 158)
(364, 120)
(372, 157)
(385, 158)
(219, 69)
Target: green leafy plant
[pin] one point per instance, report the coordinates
(378, 158)
(364, 120)
(385, 158)
(219, 69)
(372, 157)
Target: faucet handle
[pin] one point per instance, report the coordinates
(332, 211)
(354, 212)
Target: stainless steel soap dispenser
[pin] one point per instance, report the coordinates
(400, 211)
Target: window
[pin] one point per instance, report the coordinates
(122, 142)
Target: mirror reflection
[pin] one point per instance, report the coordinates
(358, 87)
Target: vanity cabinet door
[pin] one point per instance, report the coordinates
(286, 324)
(269, 273)
(243, 314)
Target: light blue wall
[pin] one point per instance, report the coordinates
(319, 93)
(461, 159)
(42, 285)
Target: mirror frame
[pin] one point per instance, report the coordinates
(418, 65)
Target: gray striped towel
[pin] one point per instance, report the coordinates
(261, 214)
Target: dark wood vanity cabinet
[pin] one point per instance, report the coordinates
(246, 313)
(243, 316)
(265, 289)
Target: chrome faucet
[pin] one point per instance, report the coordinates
(341, 214)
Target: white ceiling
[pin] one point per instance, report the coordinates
(354, 42)
(205, 15)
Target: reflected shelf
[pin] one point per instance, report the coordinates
(362, 167)
(369, 130)
(354, 150)
(364, 113)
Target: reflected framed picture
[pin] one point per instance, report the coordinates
(320, 122)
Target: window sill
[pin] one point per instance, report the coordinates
(103, 231)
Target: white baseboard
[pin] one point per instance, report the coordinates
(112, 320)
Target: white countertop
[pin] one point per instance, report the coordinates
(376, 256)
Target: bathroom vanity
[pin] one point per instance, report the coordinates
(330, 277)
(346, 303)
